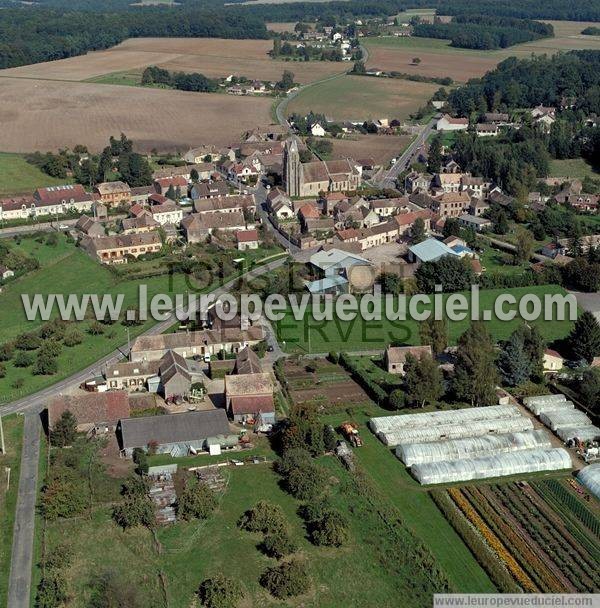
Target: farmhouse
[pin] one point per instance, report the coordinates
(198, 226)
(54, 200)
(395, 356)
(209, 189)
(225, 204)
(113, 194)
(144, 222)
(195, 343)
(91, 410)
(247, 239)
(552, 361)
(201, 155)
(166, 213)
(115, 249)
(175, 434)
(86, 225)
(477, 223)
(447, 123)
(140, 194)
(249, 395)
(162, 184)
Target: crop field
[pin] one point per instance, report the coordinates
(310, 336)
(17, 176)
(363, 98)
(329, 385)
(382, 148)
(544, 536)
(438, 58)
(47, 115)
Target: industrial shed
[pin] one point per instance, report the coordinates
(498, 465)
(456, 431)
(564, 418)
(471, 447)
(174, 434)
(590, 478)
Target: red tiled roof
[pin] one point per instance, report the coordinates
(91, 408)
(308, 211)
(252, 404)
(246, 236)
(56, 194)
(176, 180)
(406, 219)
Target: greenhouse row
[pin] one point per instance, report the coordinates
(457, 430)
(385, 424)
(471, 447)
(590, 478)
(561, 416)
(497, 465)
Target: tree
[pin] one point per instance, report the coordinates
(287, 81)
(330, 531)
(220, 591)
(449, 271)
(140, 458)
(65, 430)
(27, 342)
(390, 283)
(418, 233)
(137, 508)
(23, 359)
(196, 501)
(397, 399)
(288, 579)
(278, 544)
(95, 328)
(194, 176)
(589, 388)
(524, 245)
(434, 157)
(6, 351)
(52, 590)
(534, 345)
(45, 365)
(329, 438)
(72, 337)
(584, 339)
(359, 67)
(434, 332)
(475, 373)
(170, 192)
(513, 363)
(416, 60)
(264, 517)
(65, 495)
(422, 380)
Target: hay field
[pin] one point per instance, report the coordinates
(381, 147)
(363, 98)
(46, 115)
(438, 58)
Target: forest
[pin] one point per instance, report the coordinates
(485, 32)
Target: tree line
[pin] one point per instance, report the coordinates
(181, 81)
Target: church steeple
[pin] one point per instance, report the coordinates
(292, 168)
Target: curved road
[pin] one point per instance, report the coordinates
(19, 583)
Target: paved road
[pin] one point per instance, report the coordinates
(21, 563)
(387, 179)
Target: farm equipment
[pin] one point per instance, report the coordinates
(350, 431)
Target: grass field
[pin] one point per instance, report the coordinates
(321, 336)
(130, 78)
(13, 436)
(17, 176)
(362, 98)
(575, 167)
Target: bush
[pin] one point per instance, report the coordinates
(333, 356)
(2, 370)
(137, 508)
(95, 329)
(197, 500)
(140, 458)
(64, 431)
(45, 365)
(23, 359)
(331, 530)
(27, 342)
(288, 579)
(278, 544)
(397, 399)
(73, 337)
(50, 348)
(220, 591)
(6, 351)
(264, 517)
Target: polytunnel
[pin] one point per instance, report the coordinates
(542, 408)
(498, 465)
(544, 399)
(471, 447)
(391, 423)
(455, 431)
(562, 419)
(590, 478)
(582, 433)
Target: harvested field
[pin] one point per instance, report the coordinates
(281, 27)
(328, 386)
(363, 98)
(213, 57)
(46, 115)
(380, 147)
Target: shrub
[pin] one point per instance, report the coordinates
(95, 329)
(140, 459)
(397, 399)
(45, 365)
(73, 337)
(333, 356)
(23, 359)
(220, 591)
(278, 544)
(137, 508)
(65, 430)
(287, 579)
(27, 342)
(331, 530)
(2, 370)
(263, 517)
(6, 351)
(197, 500)
(50, 348)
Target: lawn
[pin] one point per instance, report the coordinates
(17, 176)
(13, 436)
(572, 167)
(417, 508)
(363, 98)
(128, 77)
(312, 336)
(500, 262)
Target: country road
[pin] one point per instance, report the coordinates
(32, 406)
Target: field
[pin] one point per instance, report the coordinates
(329, 385)
(17, 176)
(46, 115)
(310, 336)
(569, 168)
(380, 147)
(545, 537)
(363, 98)
(440, 59)
(13, 435)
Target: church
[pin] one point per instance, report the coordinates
(308, 179)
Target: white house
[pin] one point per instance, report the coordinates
(317, 130)
(553, 362)
(447, 123)
(167, 213)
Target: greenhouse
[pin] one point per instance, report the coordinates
(528, 401)
(542, 408)
(590, 478)
(562, 419)
(471, 447)
(457, 430)
(498, 465)
(579, 433)
(386, 424)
